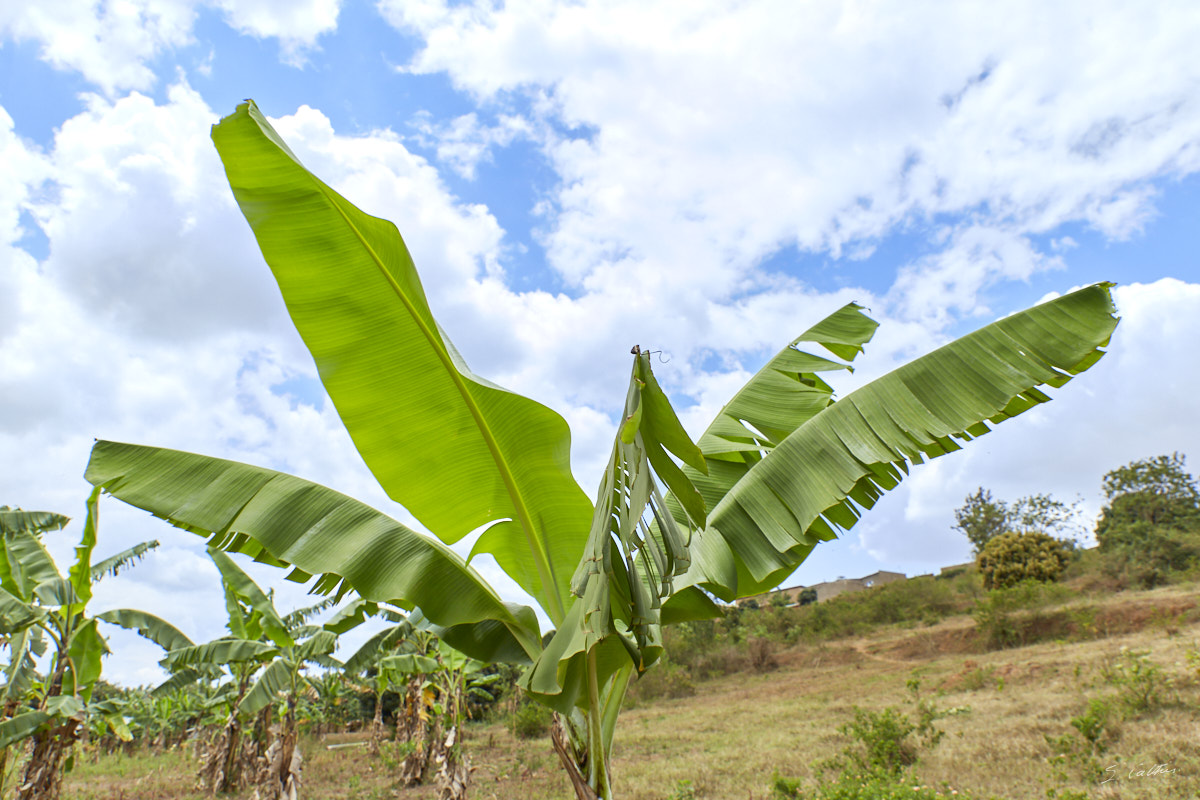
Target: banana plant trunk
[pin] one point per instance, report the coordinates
(376, 725)
(42, 779)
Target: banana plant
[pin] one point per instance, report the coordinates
(674, 524)
(265, 654)
(40, 610)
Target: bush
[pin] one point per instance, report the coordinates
(530, 720)
(1142, 686)
(882, 743)
(664, 679)
(1010, 558)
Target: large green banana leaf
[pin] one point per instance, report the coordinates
(421, 420)
(252, 509)
(816, 480)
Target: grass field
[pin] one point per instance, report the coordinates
(1012, 735)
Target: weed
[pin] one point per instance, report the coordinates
(1094, 723)
(978, 678)
(683, 791)
(1141, 684)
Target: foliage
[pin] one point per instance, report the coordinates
(782, 468)
(43, 610)
(1011, 557)
(885, 742)
(530, 720)
(1157, 490)
(1149, 529)
(1141, 684)
(981, 518)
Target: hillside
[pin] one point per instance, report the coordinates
(736, 731)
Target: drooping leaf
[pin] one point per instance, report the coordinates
(421, 419)
(319, 530)
(24, 648)
(21, 727)
(113, 565)
(27, 564)
(156, 629)
(16, 614)
(220, 651)
(86, 648)
(406, 664)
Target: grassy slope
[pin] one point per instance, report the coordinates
(729, 738)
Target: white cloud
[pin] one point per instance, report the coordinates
(109, 42)
(1135, 403)
(463, 143)
(297, 25)
(113, 43)
(719, 133)
(154, 320)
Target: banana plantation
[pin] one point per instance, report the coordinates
(675, 527)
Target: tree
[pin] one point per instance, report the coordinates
(1012, 557)
(782, 468)
(1150, 526)
(1157, 490)
(981, 518)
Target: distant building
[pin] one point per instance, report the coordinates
(827, 589)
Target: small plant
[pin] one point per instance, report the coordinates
(884, 739)
(1094, 723)
(530, 720)
(1141, 684)
(979, 677)
(683, 791)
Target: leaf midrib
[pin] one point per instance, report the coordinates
(544, 566)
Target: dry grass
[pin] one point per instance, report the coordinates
(734, 732)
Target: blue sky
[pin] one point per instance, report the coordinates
(572, 178)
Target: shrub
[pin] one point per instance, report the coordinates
(530, 720)
(664, 679)
(1010, 558)
(762, 654)
(1141, 684)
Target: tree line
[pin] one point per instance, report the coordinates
(1148, 530)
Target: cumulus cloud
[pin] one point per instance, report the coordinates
(109, 43)
(745, 128)
(113, 44)
(153, 319)
(297, 25)
(463, 142)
